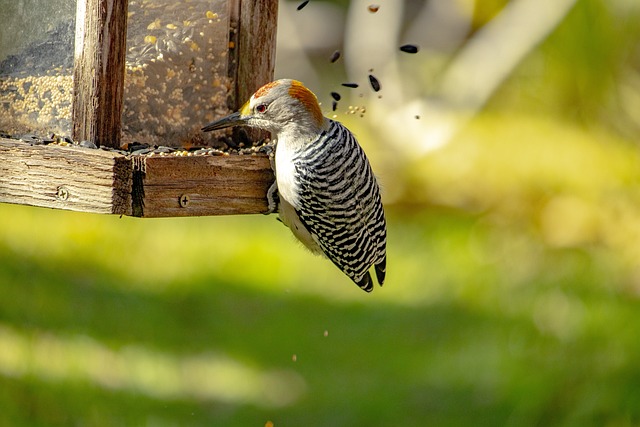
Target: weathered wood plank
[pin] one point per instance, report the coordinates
(256, 34)
(252, 61)
(99, 181)
(101, 36)
(201, 185)
(71, 178)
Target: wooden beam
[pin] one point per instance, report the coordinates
(171, 186)
(72, 178)
(99, 181)
(101, 36)
(253, 33)
(256, 46)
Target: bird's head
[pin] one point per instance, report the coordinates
(280, 106)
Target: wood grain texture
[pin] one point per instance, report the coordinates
(98, 181)
(254, 26)
(201, 185)
(257, 29)
(99, 71)
(71, 178)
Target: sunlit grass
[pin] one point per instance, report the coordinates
(204, 377)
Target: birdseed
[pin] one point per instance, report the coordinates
(351, 85)
(175, 75)
(336, 96)
(409, 48)
(334, 56)
(302, 5)
(375, 84)
(142, 149)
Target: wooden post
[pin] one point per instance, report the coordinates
(101, 36)
(253, 34)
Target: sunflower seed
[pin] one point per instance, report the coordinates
(409, 48)
(375, 84)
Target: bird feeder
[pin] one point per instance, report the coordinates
(118, 73)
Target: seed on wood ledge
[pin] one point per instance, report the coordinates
(373, 8)
(302, 5)
(409, 48)
(336, 96)
(351, 85)
(375, 84)
(334, 105)
(334, 56)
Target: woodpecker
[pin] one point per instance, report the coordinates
(327, 192)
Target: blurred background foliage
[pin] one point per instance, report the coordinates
(508, 153)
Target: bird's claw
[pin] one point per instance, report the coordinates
(272, 199)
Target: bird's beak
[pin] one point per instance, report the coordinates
(235, 119)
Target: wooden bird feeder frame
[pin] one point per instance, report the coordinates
(108, 181)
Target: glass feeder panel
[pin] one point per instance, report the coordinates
(36, 66)
(176, 70)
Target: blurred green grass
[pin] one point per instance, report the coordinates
(512, 295)
(512, 299)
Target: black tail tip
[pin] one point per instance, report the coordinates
(381, 270)
(366, 284)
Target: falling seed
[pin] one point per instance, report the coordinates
(409, 48)
(326, 333)
(351, 85)
(336, 96)
(334, 56)
(373, 8)
(417, 117)
(375, 84)
(294, 358)
(302, 5)
(334, 105)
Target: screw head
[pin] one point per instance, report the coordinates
(62, 193)
(183, 200)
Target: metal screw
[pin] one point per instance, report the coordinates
(183, 200)
(62, 193)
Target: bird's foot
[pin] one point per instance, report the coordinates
(273, 199)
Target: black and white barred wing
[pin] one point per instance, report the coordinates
(340, 205)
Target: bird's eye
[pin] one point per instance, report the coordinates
(261, 108)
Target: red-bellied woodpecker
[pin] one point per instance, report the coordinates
(328, 195)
